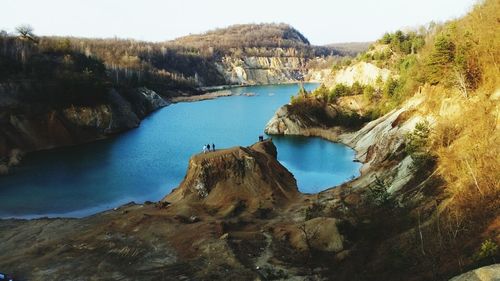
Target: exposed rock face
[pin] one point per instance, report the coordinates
(317, 75)
(33, 128)
(144, 101)
(98, 117)
(288, 120)
(362, 72)
(486, 273)
(374, 143)
(382, 140)
(250, 70)
(239, 177)
(283, 123)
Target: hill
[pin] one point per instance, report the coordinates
(247, 35)
(430, 151)
(350, 48)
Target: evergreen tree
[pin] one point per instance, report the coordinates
(440, 60)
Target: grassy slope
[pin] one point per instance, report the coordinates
(457, 73)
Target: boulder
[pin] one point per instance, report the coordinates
(486, 273)
(322, 233)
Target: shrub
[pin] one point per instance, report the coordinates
(368, 92)
(339, 90)
(343, 90)
(378, 194)
(356, 88)
(322, 91)
(390, 88)
(417, 144)
(467, 152)
(314, 211)
(488, 250)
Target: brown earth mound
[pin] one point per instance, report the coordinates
(236, 179)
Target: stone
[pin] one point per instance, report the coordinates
(486, 273)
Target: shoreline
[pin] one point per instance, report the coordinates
(209, 89)
(334, 135)
(214, 92)
(205, 96)
(312, 132)
(6, 168)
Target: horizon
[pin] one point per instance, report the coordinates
(136, 21)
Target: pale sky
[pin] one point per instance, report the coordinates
(321, 21)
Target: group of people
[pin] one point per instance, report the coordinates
(207, 147)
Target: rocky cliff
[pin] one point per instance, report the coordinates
(249, 54)
(30, 127)
(362, 72)
(252, 70)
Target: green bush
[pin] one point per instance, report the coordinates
(404, 43)
(322, 91)
(378, 194)
(488, 250)
(390, 88)
(417, 144)
(369, 92)
(343, 90)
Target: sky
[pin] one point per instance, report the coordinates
(321, 21)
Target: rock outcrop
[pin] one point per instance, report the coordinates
(238, 178)
(304, 119)
(362, 72)
(254, 70)
(284, 123)
(486, 273)
(30, 127)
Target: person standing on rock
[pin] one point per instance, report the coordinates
(205, 149)
(208, 147)
(213, 147)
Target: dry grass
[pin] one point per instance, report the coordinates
(466, 134)
(467, 146)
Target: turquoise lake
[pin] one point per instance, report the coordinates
(147, 162)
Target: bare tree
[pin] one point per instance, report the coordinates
(309, 235)
(26, 32)
(461, 82)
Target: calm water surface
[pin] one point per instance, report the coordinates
(147, 162)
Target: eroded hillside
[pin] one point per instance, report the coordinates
(430, 152)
